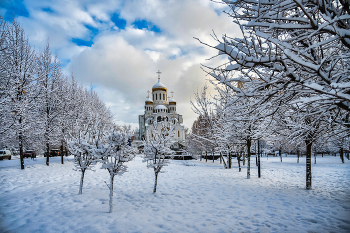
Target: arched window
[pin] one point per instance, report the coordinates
(160, 96)
(159, 119)
(163, 96)
(156, 96)
(178, 133)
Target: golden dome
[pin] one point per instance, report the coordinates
(159, 86)
(148, 101)
(172, 101)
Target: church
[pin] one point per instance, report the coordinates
(160, 107)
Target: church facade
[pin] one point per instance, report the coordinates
(160, 107)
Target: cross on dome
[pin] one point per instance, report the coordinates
(148, 93)
(158, 74)
(159, 86)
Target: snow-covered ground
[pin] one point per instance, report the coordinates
(192, 196)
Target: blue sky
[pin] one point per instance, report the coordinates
(118, 46)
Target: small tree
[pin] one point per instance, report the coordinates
(89, 146)
(84, 156)
(157, 147)
(117, 153)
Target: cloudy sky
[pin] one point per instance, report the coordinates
(118, 46)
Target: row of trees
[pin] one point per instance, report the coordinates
(287, 79)
(40, 108)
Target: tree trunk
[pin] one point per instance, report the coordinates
(308, 165)
(221, 158)
(249, 143)
(298, 155)
(259, 172)
(48, 153)
(206, 156)
(81, 181)
(20, 137)
(111, 193)
(62, 153)
(280, 154)
(243, 157)
(47, 133)
(315, 154)
(341, 152)
(213, 156)
(229, 160)
(155, 182)
(239, 162)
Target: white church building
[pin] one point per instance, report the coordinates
(160, 107)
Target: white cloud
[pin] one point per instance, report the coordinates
(122, 64)
(154, 55)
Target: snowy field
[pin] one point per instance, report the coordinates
(193, 196)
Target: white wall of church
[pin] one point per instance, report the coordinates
(157, 108)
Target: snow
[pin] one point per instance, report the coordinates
(159, 85)
(192, 196)
(148, 100)
(160, 106)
